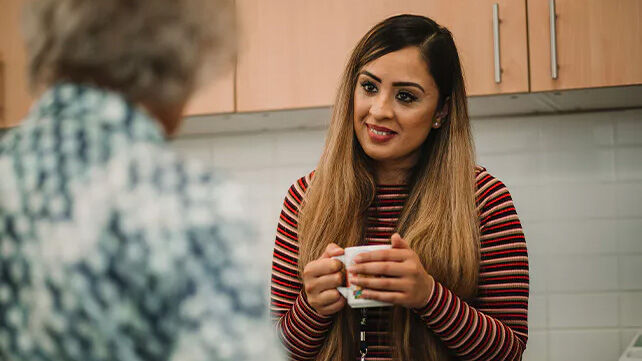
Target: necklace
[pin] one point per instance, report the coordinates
(363, 344)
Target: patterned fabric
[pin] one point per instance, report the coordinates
(492, 327)
(114, 248)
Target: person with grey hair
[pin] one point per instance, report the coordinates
(112, 247)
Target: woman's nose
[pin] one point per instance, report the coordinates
(381, 107)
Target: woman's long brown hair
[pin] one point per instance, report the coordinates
(439, 218)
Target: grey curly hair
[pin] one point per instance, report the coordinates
(149, 50)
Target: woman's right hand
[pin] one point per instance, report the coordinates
(321, 277)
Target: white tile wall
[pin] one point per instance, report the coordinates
(631, 272)
(626, 337)
(577, 184)
(592, 165)
(537, 347)
(584, 345)
(541, 230)
(537, 314)
(574, 273)
(631, 309)
(532, 201)
(517, 136)
(574, 237)
(628, 199)
(628, 164)
(628, 127)
(629, 233)
(579, 200)
(538, 274)
(526, 167)
(583, 310)
(584, 131)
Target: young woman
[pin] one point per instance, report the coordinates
(398, 167)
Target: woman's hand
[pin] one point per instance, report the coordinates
(321, 277)
(405, 282)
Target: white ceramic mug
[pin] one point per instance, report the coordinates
(352, 292)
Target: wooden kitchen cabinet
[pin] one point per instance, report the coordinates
(16, 99)
(292, 52)
(3, 85)
(598, 43)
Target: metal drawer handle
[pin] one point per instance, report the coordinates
(498, 67)
(553, 18)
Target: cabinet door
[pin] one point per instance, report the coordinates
(292, 52)
(217, 96)
(15, 89)
(598, 43)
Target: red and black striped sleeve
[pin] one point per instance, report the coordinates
(494, 325)
(302, 329)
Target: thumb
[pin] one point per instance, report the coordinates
(397, 242)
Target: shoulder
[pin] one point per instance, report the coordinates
(297, 190)
(497, 212)
(489, 188)
(156, 174)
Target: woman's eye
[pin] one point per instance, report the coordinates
(369, 87)
(406, 97)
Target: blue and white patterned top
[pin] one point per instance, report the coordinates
(112, 247)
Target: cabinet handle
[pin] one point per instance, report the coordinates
(553, 18)
(498, 68)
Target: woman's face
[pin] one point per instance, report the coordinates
(394, 107)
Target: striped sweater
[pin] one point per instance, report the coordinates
(493, 326)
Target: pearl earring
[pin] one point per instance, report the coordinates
(436, 124)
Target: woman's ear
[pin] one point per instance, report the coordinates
(441, 115)
(443, 112)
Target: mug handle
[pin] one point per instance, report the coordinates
(344, 291)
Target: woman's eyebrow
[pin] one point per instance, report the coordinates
(408, 83)
(398, 83)
(365, 72)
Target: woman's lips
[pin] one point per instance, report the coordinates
(380, 134)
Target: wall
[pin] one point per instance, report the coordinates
(577, 184)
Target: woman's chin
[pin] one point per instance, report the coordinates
(380, 157)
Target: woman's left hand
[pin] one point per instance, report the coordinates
(405, 282)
